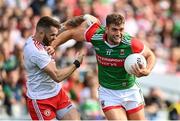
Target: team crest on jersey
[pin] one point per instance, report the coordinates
(47, 112)
(122, 52)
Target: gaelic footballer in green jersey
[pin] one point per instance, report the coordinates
(119, 95)
(110, 59)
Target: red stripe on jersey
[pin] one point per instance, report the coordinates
(35, 43)
(116, 62)
(136, 45)
(90, 31)
(135, 109)
(111, 107)
(38, 45)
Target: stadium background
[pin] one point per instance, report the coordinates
(155, 22)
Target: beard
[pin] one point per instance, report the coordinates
(45, 41)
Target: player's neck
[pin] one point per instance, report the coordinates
(111, 42)
(37, 38)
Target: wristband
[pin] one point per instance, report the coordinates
(76, 63)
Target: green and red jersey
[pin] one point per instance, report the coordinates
(110, 59)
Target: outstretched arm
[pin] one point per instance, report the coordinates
(76, 33)
(71, 23)
(74, 29)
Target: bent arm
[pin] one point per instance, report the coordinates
(59, 75)
(150, 57)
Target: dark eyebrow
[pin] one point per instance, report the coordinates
(122, 28)
(52, 34)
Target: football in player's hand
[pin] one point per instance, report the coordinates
(133, 59)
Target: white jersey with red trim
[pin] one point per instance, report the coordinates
(39, 84)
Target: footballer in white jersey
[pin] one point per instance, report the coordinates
(40, 85)
(46, 100)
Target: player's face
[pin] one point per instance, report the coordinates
(114, 33)
(50, 36)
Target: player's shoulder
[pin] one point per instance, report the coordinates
(94, 32)
(33, 46)
(127, 38)
(99, 34)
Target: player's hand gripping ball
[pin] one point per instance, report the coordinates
(133, 59)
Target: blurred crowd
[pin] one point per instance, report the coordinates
(155, 22)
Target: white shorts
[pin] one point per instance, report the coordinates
(130, 99)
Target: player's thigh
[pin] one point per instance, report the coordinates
(139, 115)
(40, 109)
(116, 114)
(66, 110)
(73, 114)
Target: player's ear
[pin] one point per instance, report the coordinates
(41, 34)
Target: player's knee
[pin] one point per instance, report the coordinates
(73, 114)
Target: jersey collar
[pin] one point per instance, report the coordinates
(105, 38)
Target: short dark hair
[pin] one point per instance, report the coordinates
(115, 18)
(47, 22)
